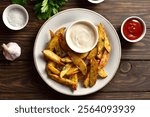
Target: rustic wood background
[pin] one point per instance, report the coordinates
(20, 80)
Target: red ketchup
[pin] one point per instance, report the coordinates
(133, 29)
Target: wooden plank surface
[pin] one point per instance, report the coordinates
(95, 96)
(21, 76)
(20, 80)
(129, 51)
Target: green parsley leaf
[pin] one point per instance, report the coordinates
(21, 2)
(43, 8)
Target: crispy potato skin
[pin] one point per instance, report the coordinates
(104, 59)
(93, 71)
(100, 44)
(102, 73)
(86, 81)
(65, 69)
(78, 62)
(66, 59)
(52, 56)
(92, 53)
(52, 68)
(64, 81)
(72, 70)
(54, 41)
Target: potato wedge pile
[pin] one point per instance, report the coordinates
(68, 67)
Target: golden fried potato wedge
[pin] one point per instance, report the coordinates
(61, 30)
(51, 67)
(72, 70)
(60, 34)
(100, 44)
(65, 70)
(100, 54)
(93, 72)
(64, 81)
(81, 77)
(58, 49)
(86, 81)
(104, 59)
(83, 55)
(102, 73)
(92, 53)
(78, 62)
(52, 56)
(105, 38)
(66, 59)
(64, 45)
(51, 33)
(53, 42)
(74, 78)
(107, 44)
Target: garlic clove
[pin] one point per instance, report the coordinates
(11, 51)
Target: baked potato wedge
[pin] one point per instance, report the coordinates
(92, 53)
(51, 33)
(86, 81)
(93, 71)
(74, 78)
(53, 42)
(64, 81)
(106, 40)
(58, 49)
(100, 54)
(52, 68)
(78, 62)
(104, 59)
(100, 44)
(83, 55)
(61, 30)
(102, 73)
(63, 44)
(72, 70)
(65, 70)
(66, 59)
(107, 44)
(52, 56)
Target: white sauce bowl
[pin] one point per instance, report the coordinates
(81, 36)
(15, 17)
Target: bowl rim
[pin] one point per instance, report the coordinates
(12, 6)
(95, 1)
(88, 23)
(144, 31)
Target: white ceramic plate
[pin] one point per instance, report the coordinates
(65, 18)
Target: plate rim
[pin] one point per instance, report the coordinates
(74, 9)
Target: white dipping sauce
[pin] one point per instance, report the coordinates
(16, 17)
(82, 36)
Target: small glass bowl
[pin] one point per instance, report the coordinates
(15, 17)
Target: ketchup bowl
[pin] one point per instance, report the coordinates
(133, 29)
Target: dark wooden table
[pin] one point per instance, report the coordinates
(20, 80)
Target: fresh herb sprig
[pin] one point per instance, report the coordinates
(44, 8)
(21, 2)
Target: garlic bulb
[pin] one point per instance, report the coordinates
(11, 51)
